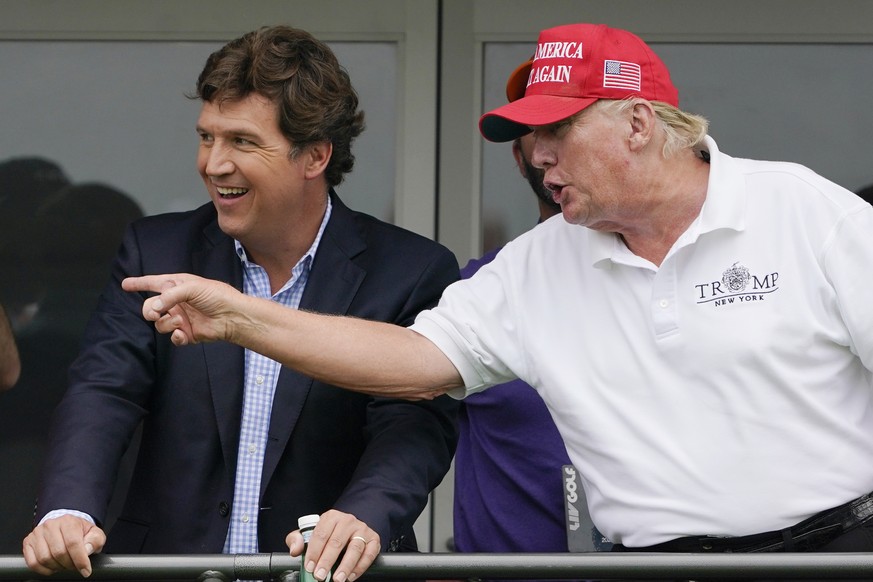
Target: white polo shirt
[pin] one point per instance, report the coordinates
(726, 392)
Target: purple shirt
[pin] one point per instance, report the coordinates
(508, 469)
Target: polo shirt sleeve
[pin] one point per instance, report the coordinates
(475, 326)
(848, 264)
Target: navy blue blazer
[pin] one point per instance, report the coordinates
(327, 447)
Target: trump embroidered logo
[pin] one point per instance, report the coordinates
(737, 285)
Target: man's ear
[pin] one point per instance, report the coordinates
(642, 124)
(519, 158)
(316, 159)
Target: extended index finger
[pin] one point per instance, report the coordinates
(156, 283)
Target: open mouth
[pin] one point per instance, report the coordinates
(231, 192)
(555, 190)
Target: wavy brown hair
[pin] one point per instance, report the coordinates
(289, 66)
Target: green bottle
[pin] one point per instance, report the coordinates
(306, 524)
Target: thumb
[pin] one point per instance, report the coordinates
(295, 544)
(94, 540)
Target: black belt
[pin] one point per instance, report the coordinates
(808, 535)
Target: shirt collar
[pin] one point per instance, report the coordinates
(725, 204)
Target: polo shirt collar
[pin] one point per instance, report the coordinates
(725, 204)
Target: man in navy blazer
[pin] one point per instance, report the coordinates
(234, 447)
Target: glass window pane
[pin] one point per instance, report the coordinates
(116, 112)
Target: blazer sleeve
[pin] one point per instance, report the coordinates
(410, 445)
(105, 400)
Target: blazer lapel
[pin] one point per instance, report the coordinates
(224, 361)
(333, 283)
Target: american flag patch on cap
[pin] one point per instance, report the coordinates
(621, 75)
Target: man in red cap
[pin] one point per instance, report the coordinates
(703, 345)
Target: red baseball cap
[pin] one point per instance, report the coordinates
(574, 66)
(517, 82)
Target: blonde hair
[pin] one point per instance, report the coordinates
(682, 130)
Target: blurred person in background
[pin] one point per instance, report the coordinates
(73, 236)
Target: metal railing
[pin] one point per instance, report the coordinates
(582, 566)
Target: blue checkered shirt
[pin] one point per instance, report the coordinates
(261, 374)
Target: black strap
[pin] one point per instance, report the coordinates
(787, 540)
